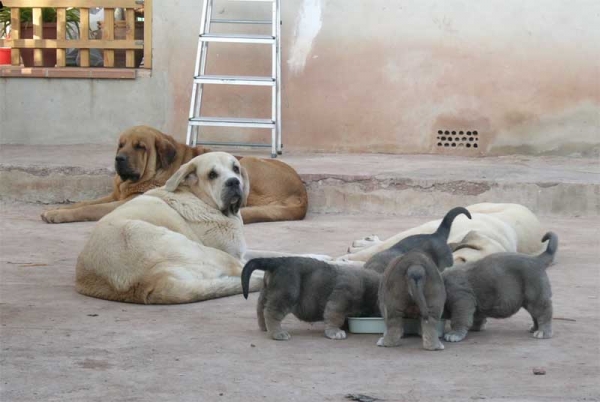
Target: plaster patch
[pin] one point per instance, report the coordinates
(307, 26)
(573, 131)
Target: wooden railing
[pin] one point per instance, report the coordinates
(107, 43)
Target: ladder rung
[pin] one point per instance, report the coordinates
(234, 80)
(237, 38)
(231, 122)
(224, 21)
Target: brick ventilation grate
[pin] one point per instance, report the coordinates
(457, 139)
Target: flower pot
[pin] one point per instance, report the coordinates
(48, 55)
(4, 56)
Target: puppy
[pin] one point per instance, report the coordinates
(409, 279)
(498, 286)
(312, 290)
(434, 244)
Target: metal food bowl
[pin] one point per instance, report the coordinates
(376, 325)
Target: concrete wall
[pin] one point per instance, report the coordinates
(359, 75)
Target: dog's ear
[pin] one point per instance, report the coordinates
(469, 241)
(246, 186)
(185, 175)
(166, 150)
(200, 150)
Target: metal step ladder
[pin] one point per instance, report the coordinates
(196, 120)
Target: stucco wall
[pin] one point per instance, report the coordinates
(359, 75)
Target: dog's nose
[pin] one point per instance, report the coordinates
(233, 182)
(120, 158)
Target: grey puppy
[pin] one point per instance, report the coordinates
(313, 291)
(498, 286)
(409, 279)
(435, 244)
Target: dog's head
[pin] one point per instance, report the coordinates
(142, 152)
(217, 178)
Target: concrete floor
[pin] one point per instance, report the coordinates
(57, 345)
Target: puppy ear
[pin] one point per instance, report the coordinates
(245, 186)
(185, 175)
(166, 150)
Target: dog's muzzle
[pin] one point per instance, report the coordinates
(123, 170)
(231, 195)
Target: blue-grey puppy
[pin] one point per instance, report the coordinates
(313, 291)
(434, 244)
(498, 286)
(410, 279)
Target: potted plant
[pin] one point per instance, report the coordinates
(48, 30)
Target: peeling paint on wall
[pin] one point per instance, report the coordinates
(307, 26)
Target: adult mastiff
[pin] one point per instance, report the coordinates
(146, 159)
(180, 243)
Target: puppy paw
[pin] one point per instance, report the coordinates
(533, 329)
(335, 333)
(387, 343)
(454, 336)
(433, 345)
(281, 336)
(479, 326)
(542, 334)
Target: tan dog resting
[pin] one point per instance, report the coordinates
(493, 228)
(180, 243)
(146, 159)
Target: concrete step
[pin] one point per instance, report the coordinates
(339, 183)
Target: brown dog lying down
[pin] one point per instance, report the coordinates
(147, 158)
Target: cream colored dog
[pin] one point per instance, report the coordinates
(493, 228)
(176, 244)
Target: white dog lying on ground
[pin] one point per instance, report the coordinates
(179, 243)
(493, 228)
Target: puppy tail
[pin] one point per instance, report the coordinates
(444, 229)
(548, 255)
(262, 264)
(416, 280)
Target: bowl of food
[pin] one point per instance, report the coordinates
(376, 325)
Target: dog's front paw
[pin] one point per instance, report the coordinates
(335, 333)
(542, 334)
(366, 242)
(455, 336)
(320, 257)
(361, 244)
(380, 342)
(281, 336)
(53, 216)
